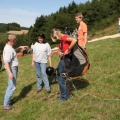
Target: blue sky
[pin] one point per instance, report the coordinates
(24, 12)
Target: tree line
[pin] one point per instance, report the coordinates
(10, 26)
(98, 14)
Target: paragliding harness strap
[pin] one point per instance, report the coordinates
(65, 74)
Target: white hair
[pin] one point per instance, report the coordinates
(11, 37)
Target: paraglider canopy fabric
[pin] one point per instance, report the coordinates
(77, 62)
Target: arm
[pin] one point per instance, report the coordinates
(49, 54)
(20, 48)
(72, 43)
(84, 34)
(33, 59)
(85, 39)
(50, 61)
(10, 74)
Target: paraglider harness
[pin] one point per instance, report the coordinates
(76, 63)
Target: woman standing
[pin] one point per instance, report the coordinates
(65, 47)
(41, 54)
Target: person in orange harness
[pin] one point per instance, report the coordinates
(66, 44)
(82, 30)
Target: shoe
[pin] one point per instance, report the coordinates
(62, 100)
(59, 97)
(48, 91)
(39, 90)
(7, 108)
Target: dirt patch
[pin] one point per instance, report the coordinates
(105, 37)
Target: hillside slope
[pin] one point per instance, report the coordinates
(97, 96)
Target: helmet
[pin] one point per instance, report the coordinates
(50, 70)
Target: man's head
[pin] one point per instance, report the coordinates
(12, 39)
(78, 17)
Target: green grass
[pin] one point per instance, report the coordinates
(3, 36)
(97, 97)
(111, 30)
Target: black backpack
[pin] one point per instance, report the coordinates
(78, 62)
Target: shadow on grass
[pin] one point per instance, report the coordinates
(78, 84)
(22, 94)
(73, 84)
(1, 70)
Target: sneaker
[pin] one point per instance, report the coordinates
(48, 91)
(7, 108)
(39, 90)
(62, 100)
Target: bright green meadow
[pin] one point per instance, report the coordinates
(97, 96)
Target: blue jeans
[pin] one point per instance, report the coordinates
(11, 86)
(62, 81)
(41, 72)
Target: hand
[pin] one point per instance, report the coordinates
(10, 76)
(23, 47)
(60, 54)
(50, 65)
(67, 51)
(32, 63)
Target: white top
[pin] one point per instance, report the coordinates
(32, 46)
(41, 52)
(119, 22)
(10, 56)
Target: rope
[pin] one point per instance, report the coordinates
(99, 97)
(50, 96)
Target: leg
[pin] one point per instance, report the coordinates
(11, 87)
(62, 81)
(39, 81)
(44, 76)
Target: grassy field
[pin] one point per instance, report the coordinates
(18, 32)
(111, 30)
(3, 36)
(97, 96)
